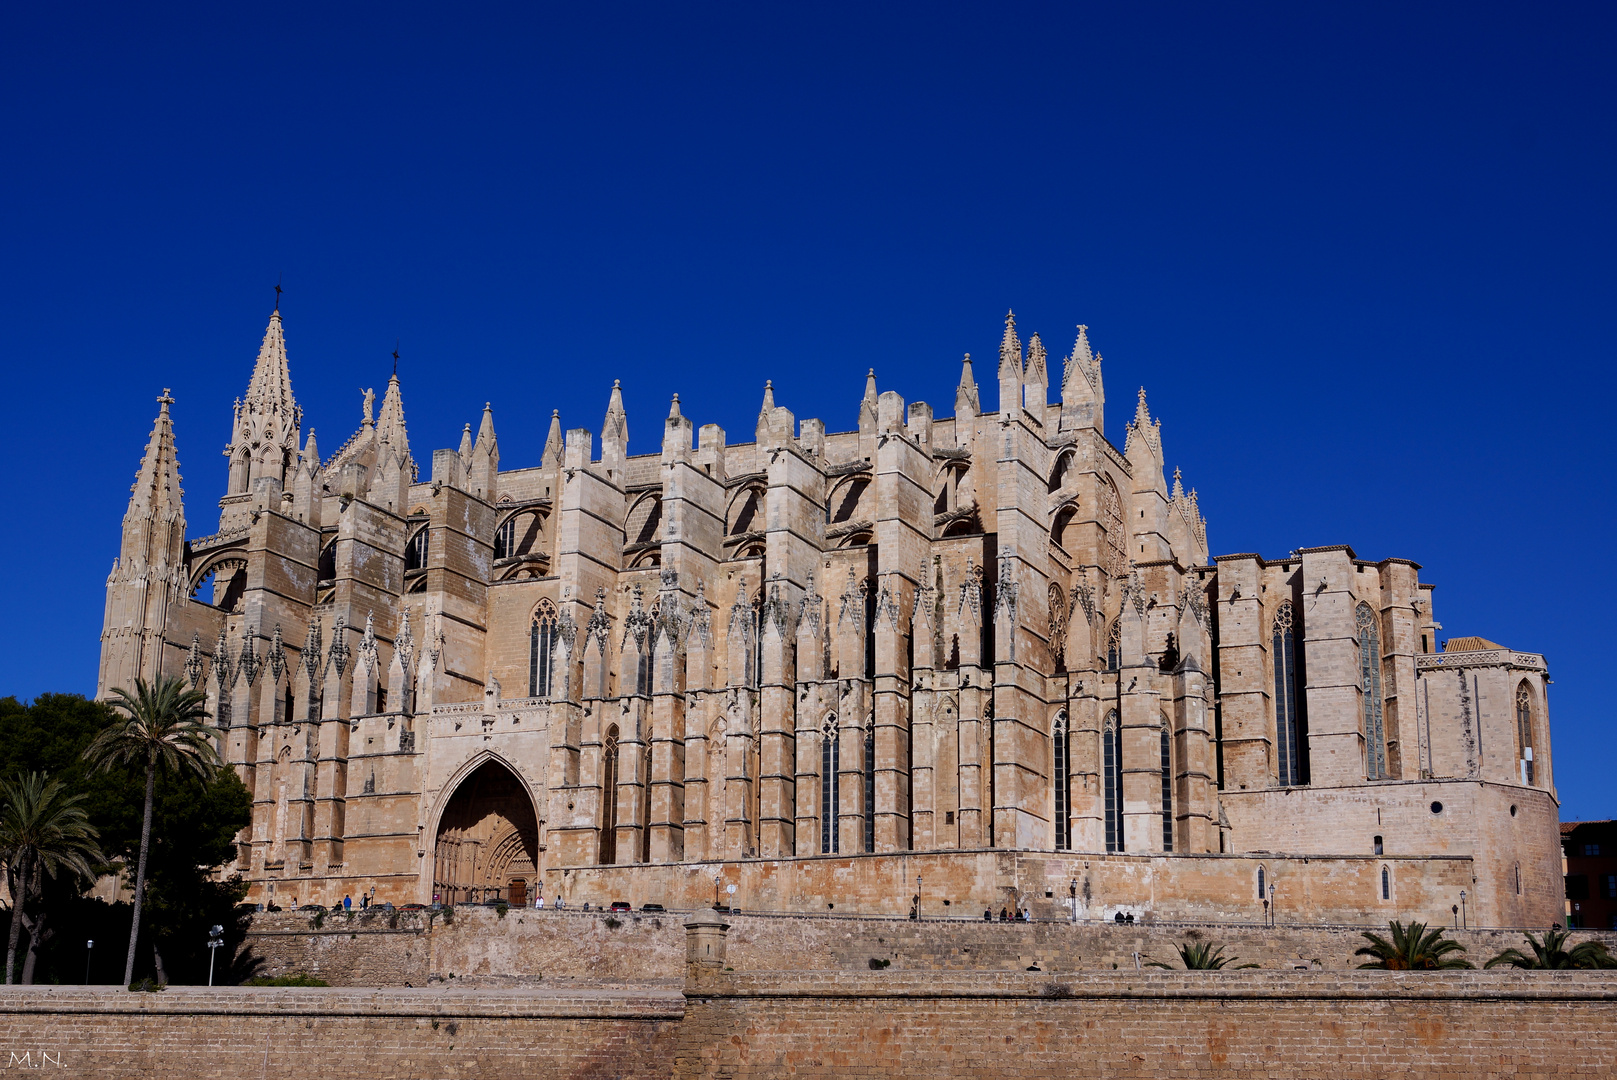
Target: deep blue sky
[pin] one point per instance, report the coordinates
(1361, 258)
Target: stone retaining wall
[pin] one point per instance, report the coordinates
(531, 946)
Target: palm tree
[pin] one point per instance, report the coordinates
(1201, 956)
(1412, 948)
(1553, 953)
(162, 729)
(43, 832)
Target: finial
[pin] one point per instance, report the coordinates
(165, 399)
(556, 413)
(769, 384)
(616, 384)
(277, 292)
(395, 358)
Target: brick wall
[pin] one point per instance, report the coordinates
(1226, 1024)
(810, 1024)
(223, 1034)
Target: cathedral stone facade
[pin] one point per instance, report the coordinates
(960, 663)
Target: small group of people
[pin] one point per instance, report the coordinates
(364, 900)
(1007, 915)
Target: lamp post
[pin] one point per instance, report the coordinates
(1464, 923)
(215, 939)
(917, 896)
(89, 945)
(1073, 889)
(1272, 909)
(1456, 909)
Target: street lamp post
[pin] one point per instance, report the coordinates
(917, 896)
(89, 945)
(1272, 909)
(1073, 889)
(1464, 922)
(215, 939)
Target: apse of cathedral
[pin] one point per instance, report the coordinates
(937, 663)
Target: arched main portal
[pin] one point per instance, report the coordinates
(487, 846)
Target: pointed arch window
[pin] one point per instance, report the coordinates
(415, 552)
(1114, 645)
(505, 539)
(1524, 731)
(1167, 785)
(1061, 755)
(830, 795)
(609, 797)
(1111, 752)
(1287, 749)
(1262, 895)
(1386, 883)
(870, 787)
(541, 646)
(1370, 681)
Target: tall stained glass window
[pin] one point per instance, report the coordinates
(1285, 662)
(1111, 746)
(1375, 739)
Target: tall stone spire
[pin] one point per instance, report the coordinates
(264, 438)
(390, 424)
(157, 483)
(150, 574)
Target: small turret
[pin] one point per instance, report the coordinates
(1010, 369)
(967, 405)
(483, 472)
(615, 435)
(867, 405)
(1083, 395)
(551, 458)
(1036, 380)
(677, 434)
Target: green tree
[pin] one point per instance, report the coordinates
(161, 727)
(43, 833)
(1412, 948)
(1553, 953)
(1201, 956)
